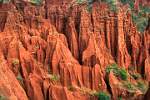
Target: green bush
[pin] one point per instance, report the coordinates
(136, 76)
(142, 86)
(103, 96)
(79, 1)
(15, 61)
(119, 72)
(2, 97)
(36, 2)
(5, 1)
(119, 98)
(19, 77)
(128, 85)
(54, 77)
(112, 67)
(123, 74)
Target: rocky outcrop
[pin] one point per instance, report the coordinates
(9, 86)
(60, 51)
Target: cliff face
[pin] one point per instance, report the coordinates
(59, 52)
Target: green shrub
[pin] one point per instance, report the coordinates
(54, 77)
(119, 72)
(103, 96)
(119, 98)
(5, 1)
(15, 61)
(112, 67)
(123, 74)
(136, 76)
(142, 86)
(36, 2)
(128, 85)
(80, 1)
(140, 21)
(2, 97)
(19, 77)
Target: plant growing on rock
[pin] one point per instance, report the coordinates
(4, 1)
(103, 96)
(119, 72)
(123, 74)
(132, 87)
(36, 2)
(53, 77)
(129, 86)
(2, 97)
(136, 76)
(143, 87)
(15, 61)
(19, 77)
(119, 98)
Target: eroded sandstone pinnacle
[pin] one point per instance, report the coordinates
(57, 52)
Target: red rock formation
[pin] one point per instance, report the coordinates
(61, 52)
(9, 86)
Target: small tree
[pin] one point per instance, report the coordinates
(103, 96)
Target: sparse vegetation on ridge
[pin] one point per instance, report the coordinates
(5, 1)
(19, 77)
(2, 97)
(136, 75)
(53, 77)
(15, 61)
(132, 87)
(128, 85)
(143, 87)
(119, 72)
(36, 2)
(103, 96)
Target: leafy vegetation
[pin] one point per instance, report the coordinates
(132, 87)
(36, 2)
(54, 77)
(112, 4)
(5, 1)
(136, 76)
(19, 77)
(103, 96)
(2, 97)
(123, 74)
(142, 86)
(140, 21)
(120, 98)
(119, 72)
(80, 1)
(128, 85)
(15, 61)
